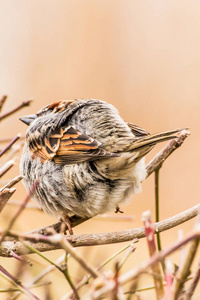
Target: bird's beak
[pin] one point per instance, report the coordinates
(28, 119)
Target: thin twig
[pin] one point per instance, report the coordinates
(5, 196)
(116, 290)
(169, 276)
(15, 148)
(67, 247)
(46, 271)
(16, 282)
(128, 253)
(20, 258)
(143, 267)
(10, 144)
(62, 269)
(130, 275)
(19, 211)
(20, 106)
(64, 244)
(68, 277)
(184, 272)
(193, 285)
(7, 166)
(8, 139)
(157, 207)
(11, 290)
(86, 278)
(11, 183)
(170, 147)
(35, 281)
(2, 101)
(149, 231)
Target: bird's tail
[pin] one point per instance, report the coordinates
(146, 143)
(153, 139)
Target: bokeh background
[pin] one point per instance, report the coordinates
(141, 56)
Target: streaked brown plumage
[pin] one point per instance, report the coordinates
(87, 159)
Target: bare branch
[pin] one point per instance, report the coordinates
(8, 139)
(193, 285)
(5, 196)
(23, 104)
(69, 249)
(7, 166)
(170, 147)
(149, 231)
(169, 277)
(2, 101)
(128, 253)
(17, 283)
(12, 183)
(95, 239)
(10, 145)
(19, 211)
(144, 266)
(86, 278)
(184, 270)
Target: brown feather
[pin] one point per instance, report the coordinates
(68, 146)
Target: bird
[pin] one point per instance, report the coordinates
(86, 159)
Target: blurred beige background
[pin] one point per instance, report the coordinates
(141, 56)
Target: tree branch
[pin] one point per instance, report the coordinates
(170, 147)
(10, 145)
(7, 166)
(2, 101)
(23, 104)
(12, 182)
(17, 283)
(8, 139)
(143, 267)
(5, 196)
(41, 244)
(193, 285)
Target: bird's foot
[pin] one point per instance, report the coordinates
(66, 221)
(118, 210)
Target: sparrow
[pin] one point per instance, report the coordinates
(86, 159)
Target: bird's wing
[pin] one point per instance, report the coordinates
(68, 146)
